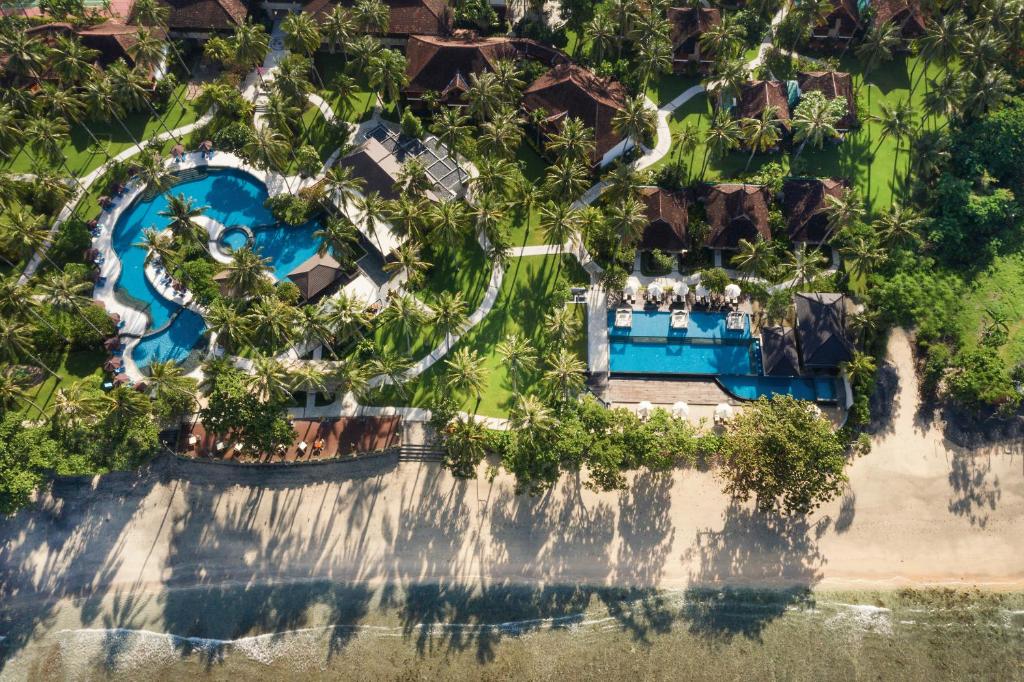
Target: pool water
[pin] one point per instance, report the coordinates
(705, 347)
(174, 342)
(231, 197)
(234, 238)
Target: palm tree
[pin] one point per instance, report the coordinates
(562, 325)
(282, 114)
(803, 265)
(73, 406)
(496, 176)
(529, 416)
(343, 185)
(487, 215)
(406, 315)
(126, 404)
(635, 120)
(273, 322)
(931, 153)
(567, 179)
(450, 221)
(168, 380)
(862, 256)
(408, 262)
(465, 442)
(985, 92)
(878, 45)
(842, 212)
(574, 140)
(485, 96)
(509, 76)
(338, 237)
(230, 327)
(269, 380)
(338, 28)
(301, 33)
(372, 16)
(601, 30)
(73, 62)
(941, 42)
(450, 315)
(466, 372)
(98, 94)
(65, 293)
(753, 258)
(723, 136)
(686, 141)
(565, 373)
(387, 74)
(814, 121)
(347, 316)
(944, 98)
(451, 127)
(246, 271)
(392, 367)
(374, 210)
(11, 390)
(860, 369)
(519, 357)
(628, 219)
(723, 39)
(654, 57)
(308, 378)
(251, 44)
(182, 215)
(313, 325)
(501, 135)
(899, 226)
(267, 149)
(407, 217)
(22, 232)
(349, 376)
(761, 133)
(558, 222)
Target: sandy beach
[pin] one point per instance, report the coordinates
(125, 549)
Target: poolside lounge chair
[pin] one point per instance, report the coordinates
(680, 319)
(624, 318)
(734, 321)
(302, 446)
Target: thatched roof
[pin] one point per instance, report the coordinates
(757, 96)
(832, 84)
(735, 212)
(805, 205)
(205, 15)
(407, 17)
(316, 274)
(667, 219)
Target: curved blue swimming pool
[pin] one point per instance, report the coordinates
(231, 197)
(234, 238)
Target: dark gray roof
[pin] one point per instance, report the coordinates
(821, 326)
(778, 352)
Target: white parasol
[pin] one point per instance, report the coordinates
(732, 291)
(680, 410)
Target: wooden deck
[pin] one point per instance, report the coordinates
(629, 391)
(342, 438)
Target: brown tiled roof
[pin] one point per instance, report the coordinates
(433, 63)
(315, 274)
(843, 11)
(805, 205)
(205, 15)
(570, 91)
(375, 164)
(45, 34)
(906, 14)
(778, 352)
(408, 17)
(689, 23)
(736, 212)
(832, 84)
(113, 40)
(756, 96)
(667, 219)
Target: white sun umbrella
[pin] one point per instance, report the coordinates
(644, 409)
(723, 411)
(732, 291)
(680, 410)
(654, 289)
(632, 286)
(701, 291)
(682, 289)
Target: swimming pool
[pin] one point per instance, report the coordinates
(705, 347)
(230, 197)
(234, 238)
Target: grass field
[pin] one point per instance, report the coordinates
(74, 367)
(81, 153)
(995, 291)
(527, 294)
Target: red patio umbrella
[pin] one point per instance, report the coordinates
(111, 364)
(178, 150)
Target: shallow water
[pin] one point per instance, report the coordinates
(345, 632)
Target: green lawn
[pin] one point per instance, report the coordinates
(358, 105)
(668, 86)
(527, 294)
(996, 290)
(82, 155)
(74, 367)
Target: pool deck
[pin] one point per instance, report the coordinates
(597, 331)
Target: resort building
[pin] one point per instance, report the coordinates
(805, 205)
(113, 40)
(757, 97)
(821, 332)
(316, 275)
(688, 24)
(832, 84)
(444, 65)
(571, 91)
(907, 15)
(779, 356)
(372, 162)
(735, 212)
(200, 19)
(407, 17)
(667, 218)
(838, 27)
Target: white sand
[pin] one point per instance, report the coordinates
(919, 511)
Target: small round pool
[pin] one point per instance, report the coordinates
(235, 238)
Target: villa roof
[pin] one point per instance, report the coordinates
(735, 212)
(821, 329)
(571, 91)
(832, 84)
(376, 165)
(778, 352)
(407, 17)
(907, 15)
(205, 15)
(434, 63)
(316, 274)
(804, 203)
(667, 218)
(690, 23)
(113, 40)
(842, 12)
(757, 96)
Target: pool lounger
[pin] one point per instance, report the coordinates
(680, 319)
(734, 322)
(624, 318)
